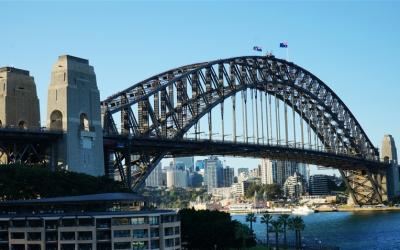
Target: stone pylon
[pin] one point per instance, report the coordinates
(389, 155)
(19, 104)
(74, 108)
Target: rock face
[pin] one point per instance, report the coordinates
(74, 107)
(389, 155)
(19, 104)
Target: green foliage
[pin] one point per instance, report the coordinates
(31, 182)
(174, 198)
(272, 191)
(213, 229)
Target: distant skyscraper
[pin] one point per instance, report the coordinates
(200, 164)
(276, 172)
(389, 155)
(243, 170)
(155, 179)
(177, 178)
(228, 174)
(213, 173)
(187, 161)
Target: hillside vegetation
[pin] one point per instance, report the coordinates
(31, 182)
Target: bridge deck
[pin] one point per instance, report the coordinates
(185, 147)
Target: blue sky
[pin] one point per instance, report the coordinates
(351, 46)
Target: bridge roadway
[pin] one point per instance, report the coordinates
(20, 143)
(190, 147)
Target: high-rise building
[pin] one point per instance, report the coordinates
(243, 170)
(188, 162)
(177, 178)
(318, 184)
(213, 173)
(155, 179)
(200, 164)
(276, 172)
(389, 155)
(227, 176)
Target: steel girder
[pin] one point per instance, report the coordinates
(171, 103)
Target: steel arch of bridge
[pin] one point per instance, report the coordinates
(169, 104)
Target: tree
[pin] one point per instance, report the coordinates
(276, 227)
(266, 219)
(297, 224)
(284, 219)
(251, 217)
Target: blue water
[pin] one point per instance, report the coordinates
(347, 230)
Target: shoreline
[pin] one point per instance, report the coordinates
(326, 210)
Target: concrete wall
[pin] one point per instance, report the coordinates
(74, 107)
(19, 104)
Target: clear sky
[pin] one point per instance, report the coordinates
(351, 46)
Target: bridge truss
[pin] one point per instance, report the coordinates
(262, 103)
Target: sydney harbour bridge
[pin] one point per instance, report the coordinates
(251, 106)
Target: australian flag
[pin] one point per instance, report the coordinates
(256, 48)
(283, 45)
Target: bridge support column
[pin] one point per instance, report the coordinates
(73, 107)
(365, 188)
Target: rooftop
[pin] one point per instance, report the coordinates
(105, 197)
(74, 58)
(14, 70)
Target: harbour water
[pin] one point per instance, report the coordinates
(346, 230)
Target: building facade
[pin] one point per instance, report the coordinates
(318, 184)
(213, 173)
(86, 223)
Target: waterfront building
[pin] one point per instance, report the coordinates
(389, 155)
(213, 173)
(293, 186)
(101, 221)
(155, 178)
(318, 184)
(267, 171)
(239, 189)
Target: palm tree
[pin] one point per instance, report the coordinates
(297, 224)
(284, 219)
(276, 227)
(266, 219)
(251, 217)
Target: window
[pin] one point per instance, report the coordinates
(169, 242)
(122, 245)
(121, 221)
(34, 236)
(177, 241)
(103, 235)
(51, 236)
(18, 223)
(177, 230)
(140, 245)
(68, 222)
(17, 236)
(67, 235)
(154, 220)
(85, 235)
(51, 224)
(155, 244)
(138, 220)
(67, 246)
(103, 223)
(168, 231)
(86, 246)
(84, 122)
(122, 233)
(154, 232)
(140, 233)
(56, 122)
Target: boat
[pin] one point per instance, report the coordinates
(280, 210)
(303, 210)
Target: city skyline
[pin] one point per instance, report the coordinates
(347, 63)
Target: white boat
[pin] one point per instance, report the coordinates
(303, 210)
(280, 210)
